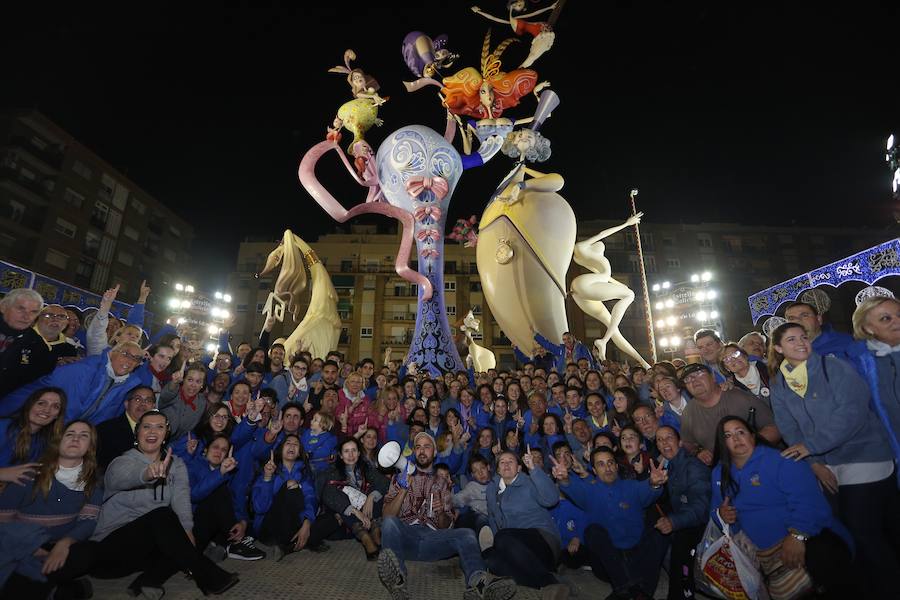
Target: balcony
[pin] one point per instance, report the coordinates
(395, 316)
(501, 341)
(397, 341)
(30, 219)
(38, 187)
(400, 293)
(52, 156)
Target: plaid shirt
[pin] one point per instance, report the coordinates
(428, 497)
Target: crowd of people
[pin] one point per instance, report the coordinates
(120, 456)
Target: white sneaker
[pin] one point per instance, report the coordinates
(486, 538)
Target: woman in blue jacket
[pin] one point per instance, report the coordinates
(526, 543)
(220, 511)
(822, 409)
(25, 435)
(777, 503)
(291, 384)
(284, 502)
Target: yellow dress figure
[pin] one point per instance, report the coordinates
(320, 328)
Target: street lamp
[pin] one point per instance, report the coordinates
(179, 287)
(218, 295)
(706, 276)
(695, 278)
(226, 297)
(174, 303)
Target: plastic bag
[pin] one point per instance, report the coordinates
(357, 498)
(726, 567)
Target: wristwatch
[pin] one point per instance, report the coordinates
(798, 535)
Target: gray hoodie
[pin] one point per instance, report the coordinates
(127, 496)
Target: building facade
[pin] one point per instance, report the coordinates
(378, 308)
(69, 214)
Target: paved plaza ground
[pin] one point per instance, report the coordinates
(342, 573)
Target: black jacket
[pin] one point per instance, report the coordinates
(114, 437)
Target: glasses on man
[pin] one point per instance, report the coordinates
(136, 359)
(695, 376)
(148, 400)
(54, 317)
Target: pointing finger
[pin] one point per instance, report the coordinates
(230, 451)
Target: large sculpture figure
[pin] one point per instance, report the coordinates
(591, 290)
(415, 171)
(320, 328)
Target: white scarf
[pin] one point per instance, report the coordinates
(68, 476)
(880, 348)
(678, 410)
(112, 374)
(354, 399)
(503, 484)
(299, 385)
(752, 380)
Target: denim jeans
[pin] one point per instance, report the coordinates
(418, 542)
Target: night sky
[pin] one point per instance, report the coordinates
(716, 111)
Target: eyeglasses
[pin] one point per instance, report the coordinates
(732, 357)
(219, 417)
(643, 419)
(132, 357)
(695, 376)
(55, 317)
(144, 399)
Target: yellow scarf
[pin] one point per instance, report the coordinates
(796, 377)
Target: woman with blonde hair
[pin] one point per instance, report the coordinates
(876, 322)
(353, 405)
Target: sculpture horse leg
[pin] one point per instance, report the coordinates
(307, 175)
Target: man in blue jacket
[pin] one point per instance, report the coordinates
(95, 386)
(684, 520)
(570, 351)
(617, 540)
(825, 340)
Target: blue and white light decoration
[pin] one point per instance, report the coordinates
(867, 266)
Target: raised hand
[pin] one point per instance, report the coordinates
(660, 410)
(109, 296)
(254, 407)
(658, 475)
(633, 219)
(362, 428)
(727, 513)
(578, 468)
(706, 457)
(345, 416)
(159, 469)
(145, 291)
(178, 376)
(496, 449)
(275, 423)
(559, 470)
(191, 445)
(269, 467)
(568, 419)
(229, 464)
(528, 460)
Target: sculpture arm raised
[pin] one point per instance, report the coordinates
(632, 220)
(307, 175)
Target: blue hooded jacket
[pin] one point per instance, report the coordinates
(840, 345)
(617, 507)
(579, 351)
(264, 493)
(83, 382)
(776, 494)
(881, 373)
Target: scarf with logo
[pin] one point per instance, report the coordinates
(796, 377)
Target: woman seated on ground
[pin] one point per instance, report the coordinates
(526, 544)
(355, 489)
(147, 497)
(634, 461)
(777, 503)
(25, 435)
(43, 517)
(284, 502)
(220, 512)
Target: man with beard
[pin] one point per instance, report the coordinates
(418, 511)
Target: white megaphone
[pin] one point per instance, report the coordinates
(391, 456)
